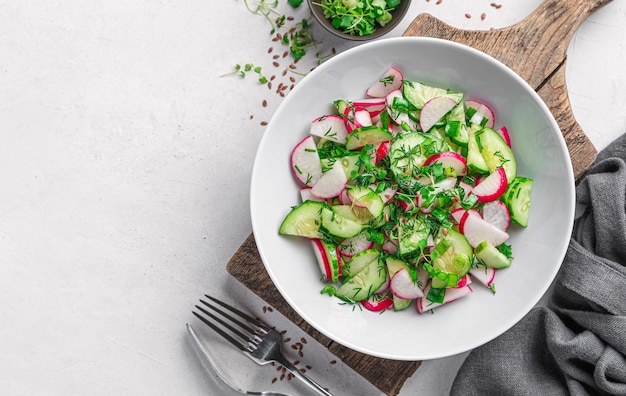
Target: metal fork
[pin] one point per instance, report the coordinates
(255, 339)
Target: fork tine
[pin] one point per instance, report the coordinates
(235, 310)
(221, 332)
(248, 329)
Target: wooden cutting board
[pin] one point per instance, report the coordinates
(536, 49)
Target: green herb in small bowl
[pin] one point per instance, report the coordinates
(359, 19)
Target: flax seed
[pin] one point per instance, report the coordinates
(333, 362)
(263, 123)
(468, 16)
(285, 54)
(483, 16)
(264, 105)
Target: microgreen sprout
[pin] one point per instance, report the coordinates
(247, 68)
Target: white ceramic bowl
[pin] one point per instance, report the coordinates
(539, 250)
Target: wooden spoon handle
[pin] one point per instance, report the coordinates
(534, 47)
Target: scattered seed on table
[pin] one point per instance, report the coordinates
(264, 105)
(276, 64)
(303, 340)
(296, 362)
(285, 54)
(264, 308)
(282, 376)
(333, 362)
(263, 123)
(269, 85)
(483, 16)
(292, 79)
(468, 16)
(251, 116)
(438, 2)
(275, 56)
(287, 339)
(274, 380)
(270, 49)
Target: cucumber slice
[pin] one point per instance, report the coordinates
(359, 215)
(341, 105)
(364, 283)
(475, 160)
(304, 220)
(361, 260)
(411, 232)
(456, 128)
(338, 225)
(517, 199)
(417, 94)
(367, 135)
(409, 152)
(400, 304)
(451, 258)
(365, 197)
(496, 152)
(491, 256)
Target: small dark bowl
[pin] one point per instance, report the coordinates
(397, 15)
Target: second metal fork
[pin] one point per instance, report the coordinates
(257, 340)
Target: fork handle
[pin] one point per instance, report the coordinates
(304, 378)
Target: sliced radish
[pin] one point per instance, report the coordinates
(377, 303)
(305, 162)
(332, 182)
(482, 112)
(396, 116)
(373, 105)
(307, 195)
(504, 132)
(444, 185)
(362, 117)
(452, 294)
(403, 286)
(344, 198)
(387, 194)
(477, 230)
(491, 187)
(322, 259)
(390, 246)
(449, 159)
(467, 188)
(458, 213)
(464, 281)
(484, 275)
(351, 246)
(434, 110)
(331, 127)
(497, 213)
(389, 81)
(381, 151)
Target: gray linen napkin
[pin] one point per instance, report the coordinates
(577, 343)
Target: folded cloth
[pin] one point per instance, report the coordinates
(576, 345)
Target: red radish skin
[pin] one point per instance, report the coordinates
(391, 80)
(484, 275)
(504, 132)
(491, 187)
(464, 281)
(477, 230)
(331, 127)
(497, 213)
(482, 110)
(449, 159)
(452, 294)
(434, 110)
(373, 105)
(305, 162)
(322, 259)
(458, 213)
(332, 182)
(375, 304)
(403, 286)
(362, 118)
(381, 151)
(344, 198)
